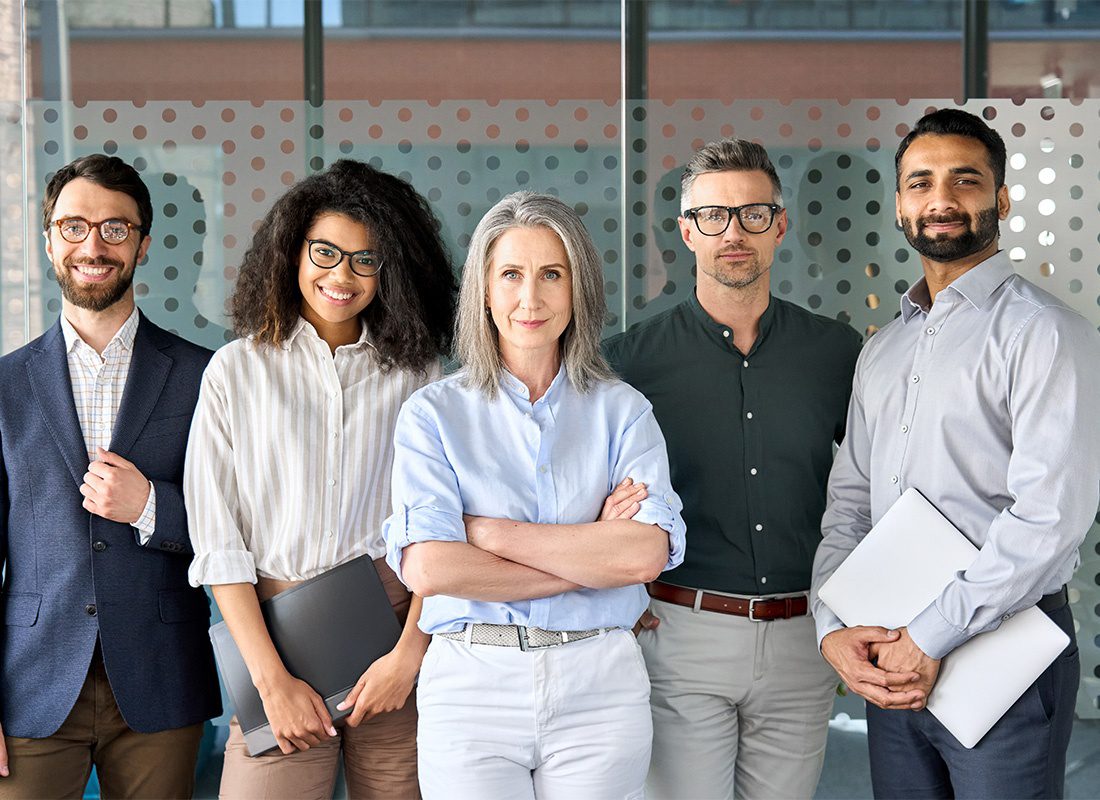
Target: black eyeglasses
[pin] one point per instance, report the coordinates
(714, 220)
(75, 230)
(326, 255)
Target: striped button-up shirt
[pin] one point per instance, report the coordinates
(980, 401)
(288, 462)
(98, 382)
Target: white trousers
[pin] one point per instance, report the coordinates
(570, 722)
(740, 708)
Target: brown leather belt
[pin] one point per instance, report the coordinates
(757, 609)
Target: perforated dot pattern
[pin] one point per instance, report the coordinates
(215, 168)
(12, 226)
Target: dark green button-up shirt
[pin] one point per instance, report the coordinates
(750, 436)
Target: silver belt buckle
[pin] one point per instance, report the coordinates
(752, 604)
(521, 630)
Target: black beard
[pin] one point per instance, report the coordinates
(95, 297)
(947, 248)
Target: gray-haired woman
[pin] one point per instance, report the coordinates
(516, 516)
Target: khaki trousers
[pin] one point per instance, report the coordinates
(379, 756)
(129, 764)
(740, 708)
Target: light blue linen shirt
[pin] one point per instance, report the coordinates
(985, 402)
(554, 461)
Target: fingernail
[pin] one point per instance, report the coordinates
(341, 706)
(331, 731)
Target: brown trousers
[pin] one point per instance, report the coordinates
(379, 755)
(129, 764)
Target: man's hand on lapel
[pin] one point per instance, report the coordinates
(114, 489)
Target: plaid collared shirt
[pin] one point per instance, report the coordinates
(98, 382)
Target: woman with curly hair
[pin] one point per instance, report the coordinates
(344, 305)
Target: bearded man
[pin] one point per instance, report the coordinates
(105, 659)
(982, 396)
(750, 392)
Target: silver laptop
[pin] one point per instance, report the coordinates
(328, 631)
(900, 567)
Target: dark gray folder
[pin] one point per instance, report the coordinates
(328, 631)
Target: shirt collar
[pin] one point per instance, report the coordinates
(124, 336)
(976, 285)
(302, 326)
(518, 389)
(718, 331)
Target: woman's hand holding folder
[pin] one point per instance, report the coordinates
(297, 714)
(388, 682)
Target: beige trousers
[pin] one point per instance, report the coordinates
(128, 763)
(740, 708)
(379, 756)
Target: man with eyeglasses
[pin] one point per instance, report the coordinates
(750, 392)
(105, 658)
(981, 394)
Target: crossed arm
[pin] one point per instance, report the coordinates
(504, 560)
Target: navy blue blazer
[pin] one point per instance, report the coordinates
(70, 577)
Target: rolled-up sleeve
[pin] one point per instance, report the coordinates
(427, 504)
(643, 457)
(211, 495)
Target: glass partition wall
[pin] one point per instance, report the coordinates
(471, 99)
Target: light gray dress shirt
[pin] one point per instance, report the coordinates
(982, 403)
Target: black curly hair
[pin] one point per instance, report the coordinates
(411, 319)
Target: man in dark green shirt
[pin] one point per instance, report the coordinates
(751, 392)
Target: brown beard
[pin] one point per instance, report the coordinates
(945, 249)
(94, 297)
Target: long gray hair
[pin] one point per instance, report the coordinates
(476, 337)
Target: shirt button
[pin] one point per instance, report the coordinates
(763, 580)
(542, 469)
(1006, 618)
(752, 471)
(99, 546)
(331, 482)
(930, 331)
(328, 534)
(905, 429)
(90, 609)
(893, 479)
(744, 363)
(749, 415)
(916, 379)
(336, 434)
(726, 334)
(759, 527)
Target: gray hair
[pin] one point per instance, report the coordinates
(476, 337)
(728, 155)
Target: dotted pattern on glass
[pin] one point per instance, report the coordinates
(215, 168)
(12, 227)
